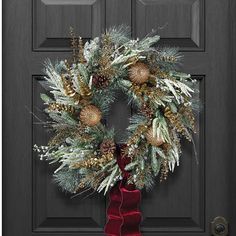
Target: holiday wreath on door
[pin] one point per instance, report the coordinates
(83, 88)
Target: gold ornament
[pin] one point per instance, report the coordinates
(139, 73)
(90, 115)
(155, 141)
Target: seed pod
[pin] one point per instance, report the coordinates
(139, 73)
(90, 115)
(155, 141)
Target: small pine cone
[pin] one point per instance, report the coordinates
(147, 111)
(107, 146)
(100, 81)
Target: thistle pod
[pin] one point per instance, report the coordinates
(90, 115)
(139, 73)
(151, 139)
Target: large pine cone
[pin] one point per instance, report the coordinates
(107, 146)
(90, 115)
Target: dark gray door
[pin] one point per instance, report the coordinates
(192, 197)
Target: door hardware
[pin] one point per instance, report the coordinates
(219, 226)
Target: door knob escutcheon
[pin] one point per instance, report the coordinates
(219, 226)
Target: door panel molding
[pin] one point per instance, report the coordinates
(52, 20)
(180, 23)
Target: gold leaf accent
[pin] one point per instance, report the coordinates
(164, 170)
(94, 161)
(175, 120)
(61, 107)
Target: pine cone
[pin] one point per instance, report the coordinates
(107, 146)
(100, 81)
(147, 111)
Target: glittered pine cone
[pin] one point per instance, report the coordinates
(147, 111)
(90, 115)
(100, 81)
(139, 73)
(107, 146)
(155, 141)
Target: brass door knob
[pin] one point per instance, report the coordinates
(219, 226)
(219, 229)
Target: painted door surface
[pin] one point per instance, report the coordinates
(195, 194)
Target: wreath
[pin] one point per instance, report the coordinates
(83, 89)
